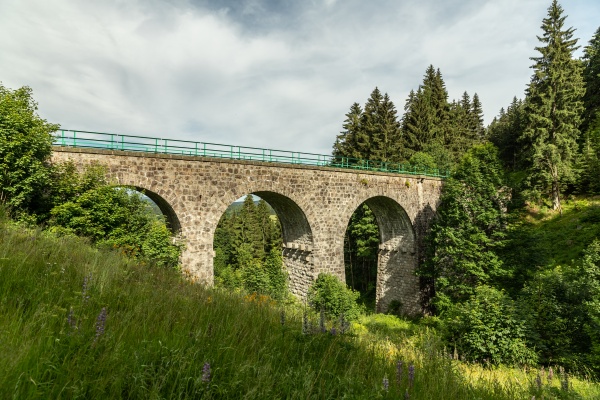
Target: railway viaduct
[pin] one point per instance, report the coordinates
(313, 203)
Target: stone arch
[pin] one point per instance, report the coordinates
(171, 218)
(397, 256)
(297, 241)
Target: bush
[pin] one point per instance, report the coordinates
(25, 148)
(488, 327)
(330, 295)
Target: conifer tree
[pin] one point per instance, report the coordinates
(504, 132)
(385, 139)
(554, 106)
(591, 76)
(477, 116)
(345, 143)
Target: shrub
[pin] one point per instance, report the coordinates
(488, 327)
(330, 295)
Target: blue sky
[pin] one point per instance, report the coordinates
(276, 74)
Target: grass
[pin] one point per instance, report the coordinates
(162, 336)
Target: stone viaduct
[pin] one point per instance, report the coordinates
(313, 204)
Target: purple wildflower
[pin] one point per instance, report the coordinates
(100, 323)
(282, 318)
(333, 331)
(538, 381)
(84, 289)
(411, 374)
(71, 319)
(386, 383)
(206, 373)
(399, 371)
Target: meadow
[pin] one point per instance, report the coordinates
(83, 322)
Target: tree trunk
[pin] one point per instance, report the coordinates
(556, 196)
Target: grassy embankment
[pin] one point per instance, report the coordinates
(159, 334)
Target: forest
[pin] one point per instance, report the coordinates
(499, 285)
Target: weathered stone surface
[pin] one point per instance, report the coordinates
(314, 205)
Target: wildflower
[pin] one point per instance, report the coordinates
(100, 323)
(538, 382)
(411, 374)
(386, 383)
(84, 289)
(71, 319)
(406, 395)
(550, 374)
(333, 331)
(282, 318)
(564, 379)
(399, 371)
(206, 373)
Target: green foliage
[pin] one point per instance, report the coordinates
(488, 327)
(554, 106)
(591, 77)
(468, 229)
(112, 216)
(504, 132)
(247, 244)
(160, 331)
(423, 159)
(25, 147)
(360, 254)
(330, 295)
(563, 310)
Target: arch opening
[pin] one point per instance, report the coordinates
(165, 208)
(396, 288)
(263, 230)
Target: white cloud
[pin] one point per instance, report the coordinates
(261, 75)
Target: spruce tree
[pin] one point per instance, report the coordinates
(554, 106)
(385, 139)
(591, 76)
(477, 117)
(345, 143)
(504, 132)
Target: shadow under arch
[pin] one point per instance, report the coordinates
(170, 216)
(397, 257)
(297, 241)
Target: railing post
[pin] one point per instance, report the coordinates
(74, 139)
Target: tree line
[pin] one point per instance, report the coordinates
(496, 295)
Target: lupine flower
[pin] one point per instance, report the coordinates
(100, 323)
(206, 373)
(386, 383)
(71, 319)
(564, 379)
(84, 289)
(406, 395)
(399, 371)
(550, 374)
(344, 325)
(538, 381)
(411, 374)
(333, 331)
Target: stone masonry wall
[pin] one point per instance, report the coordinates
(314, 206)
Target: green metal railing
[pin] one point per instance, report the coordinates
(113, 141)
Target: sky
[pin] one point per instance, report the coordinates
(263, 73)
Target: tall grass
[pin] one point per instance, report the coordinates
(78, 322)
